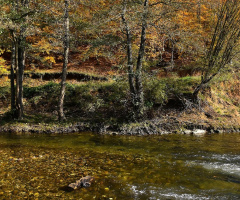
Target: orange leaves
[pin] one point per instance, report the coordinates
(6, 8)
(47, 29)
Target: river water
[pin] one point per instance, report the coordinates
(124, 167)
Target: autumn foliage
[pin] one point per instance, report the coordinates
(178, 32)
(177, 36)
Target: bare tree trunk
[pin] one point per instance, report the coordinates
(20, 74)
(135, 79)
(129, 55)
(18, 62)
(17, 78)
(139, 87)
(61, 115)
(196, 92)
(199, 11)
(13, 65)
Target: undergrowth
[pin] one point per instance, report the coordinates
(99, 102)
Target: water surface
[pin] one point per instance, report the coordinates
(124, 167)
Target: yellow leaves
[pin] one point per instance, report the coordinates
(3, 67)
(135, 47)
(49, 59)
(3, 70)
(43, 46)
(102, 3)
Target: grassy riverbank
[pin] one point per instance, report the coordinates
(105, 106)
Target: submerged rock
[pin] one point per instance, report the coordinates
(83, 182)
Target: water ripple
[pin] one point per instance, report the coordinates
(228, 168)
(176, 194)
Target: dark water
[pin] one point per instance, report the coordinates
(125, 168)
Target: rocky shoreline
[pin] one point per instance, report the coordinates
(150, 127)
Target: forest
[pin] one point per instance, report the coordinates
(80, 80)
(129, 66)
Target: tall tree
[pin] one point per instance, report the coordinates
(19, 18)
(61, 116)
(135, 76)
(13, 65)
(21, 51)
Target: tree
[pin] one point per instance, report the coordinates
(17, 28)
(13, 64)
(225, 41)
(18, 20)
(135, 77)
(61, 116)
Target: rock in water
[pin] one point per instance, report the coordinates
(83, 182)
(86, 181)
(199, 132)
(73, 186)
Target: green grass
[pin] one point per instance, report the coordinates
(97, 101)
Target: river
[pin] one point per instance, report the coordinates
(124, 167)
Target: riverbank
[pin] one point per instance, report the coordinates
(160, 126)
(104, 108)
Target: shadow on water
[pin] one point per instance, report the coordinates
(134, 168)
(66, 189)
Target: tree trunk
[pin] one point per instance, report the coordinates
(223, 44)
(17, 79)
(129, 56)
(135, 79)
(61, 115)
(20, 73)
(13, 64)
(199, 11)
(139, 104)
(196, 92)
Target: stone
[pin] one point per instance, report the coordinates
(83, 182)
(199, 132)
(188, 132)
(165, 133)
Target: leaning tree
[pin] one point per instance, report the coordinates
(224, 43)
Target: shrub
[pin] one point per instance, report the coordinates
(155, 92)
(5, 94)
(50, 88)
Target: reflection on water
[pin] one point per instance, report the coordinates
(137, 168)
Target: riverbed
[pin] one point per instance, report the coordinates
(124, 167)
